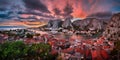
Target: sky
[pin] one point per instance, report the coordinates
(49, 9)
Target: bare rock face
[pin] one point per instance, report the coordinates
(112, 31)
(81, 24)
(89, 23)
(54, 24)
(50, 24)
(104, 23)
(67, 23)
(94, 24)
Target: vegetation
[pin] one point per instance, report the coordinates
(28, 35)
(18, 50)
(115, 53)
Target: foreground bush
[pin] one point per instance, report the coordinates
(18, 50)
(115, 53)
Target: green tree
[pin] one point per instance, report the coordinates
(19, 50)
(29, 35)
(115, 53)
(40, 50)
(12, 50)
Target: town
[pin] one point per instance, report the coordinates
(65, 43)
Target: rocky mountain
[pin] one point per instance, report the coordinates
(67, 23)
(88, 24)
(112, 31)
(50, 23)
(85, 24)
(104, 22)
(57, 23)
(54, 23)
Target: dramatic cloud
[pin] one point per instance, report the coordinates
(9, 8)
(76, 8)
(83, 8)
(57, 11)
(4, 4)
(35, 4)
(37, 14)
(11, 5)
(101, 15)
(3, 15)
(68, 9)
(12, 9)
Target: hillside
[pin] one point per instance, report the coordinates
(112, 31)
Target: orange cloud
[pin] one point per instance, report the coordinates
(81, 8)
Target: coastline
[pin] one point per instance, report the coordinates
(12, 27)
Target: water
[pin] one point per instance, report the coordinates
(12, 27)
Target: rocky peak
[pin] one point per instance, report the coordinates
(50, 24)
(54, 23)
(67, 23)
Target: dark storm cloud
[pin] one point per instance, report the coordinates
(2, 9)
(11, 4)
(4, 4)
(17, 6)
(57, 11)
(33, 17)
(116, 6)
(7, 7)
(35, 4)
(5, 14)
(68, 9)
(36, 13)
(77, 8)
(101, 15)
(107, 8)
